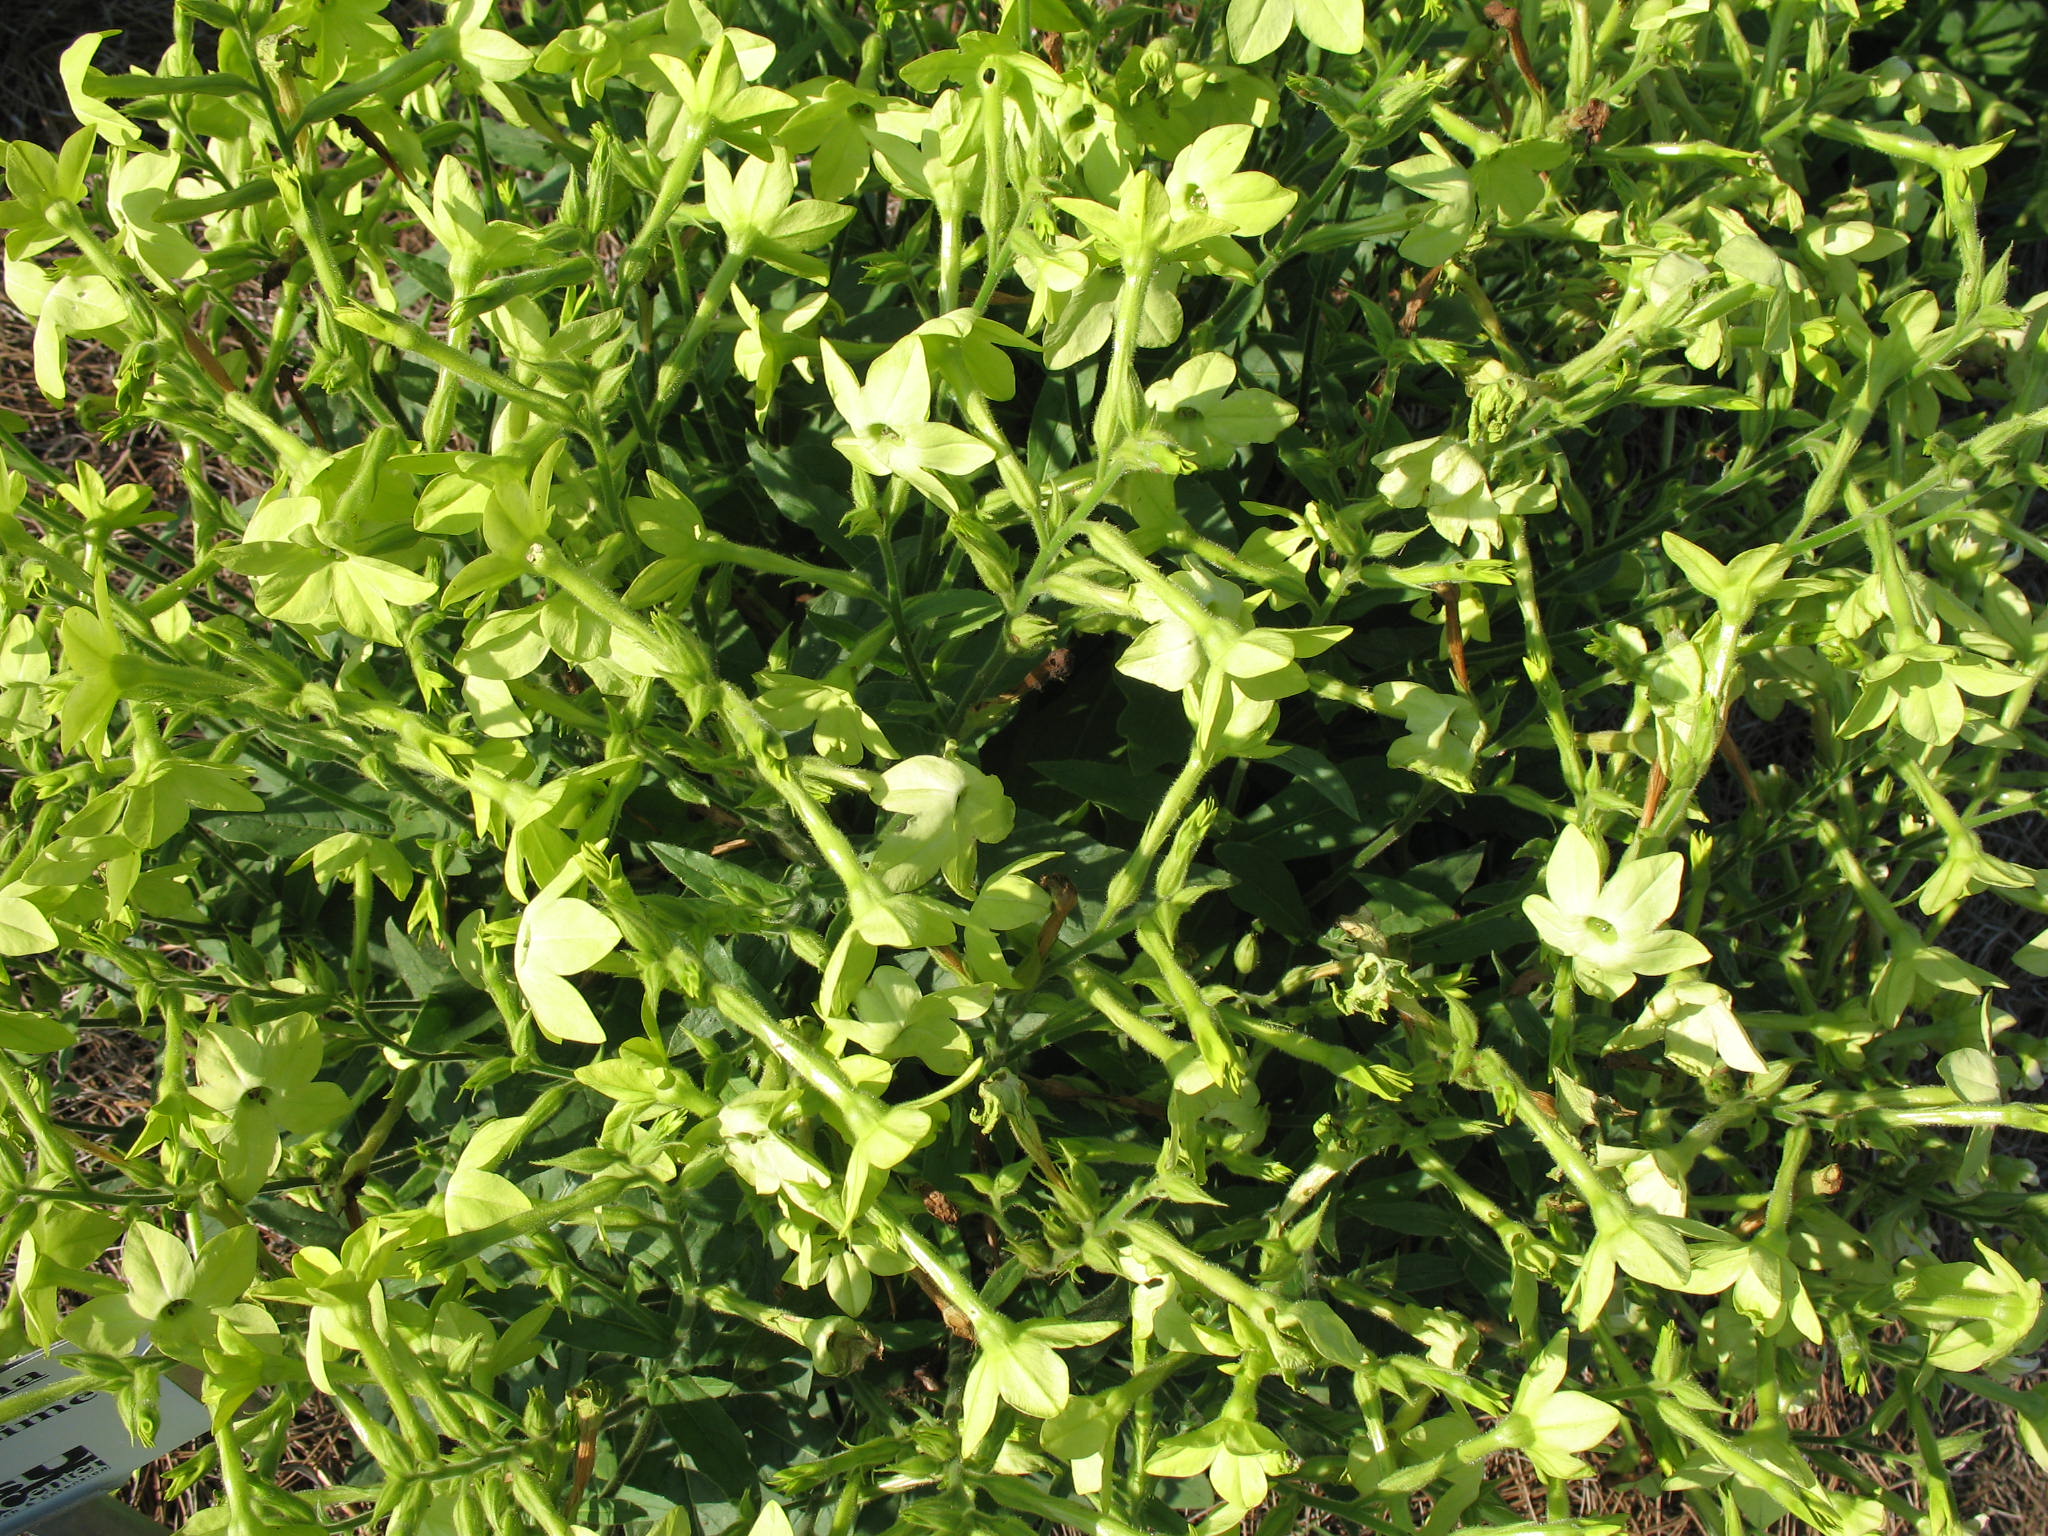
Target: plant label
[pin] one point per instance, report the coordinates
(77, 1446)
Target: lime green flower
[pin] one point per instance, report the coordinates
(1209, 419)
(262, 1084)
(1552, 1426)
(840, 729)
(894, 1018)
(888, 430)
(1444, 477)
(947, 808)
(1239, 1454)
(180, 1302)
(1612, 929)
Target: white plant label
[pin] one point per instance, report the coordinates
(77, 1446)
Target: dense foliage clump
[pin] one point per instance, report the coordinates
(1070, 767)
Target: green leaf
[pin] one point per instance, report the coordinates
(1258, 27)
(23, 928)
(33, 1034)
(564, 936)
(476, 1199)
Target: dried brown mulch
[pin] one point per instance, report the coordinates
(52, 430)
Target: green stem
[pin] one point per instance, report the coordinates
(1142, 1418)
(595, 1194)
(1937, 804)
(1778, 1214)
(957, 1290)
(1724, 1451)
(1128, 882)
(240, 1488)
(1540, 662)
(714, 550)
(439, 423)
(1960, 209)
(1571, 1161)
(53, 1157)
(818, 1071)
(892, 575)
(1227, 1286)
(1873, 900)
(675, 182)
(1099, 993)
(1016, 477)
(408, 337)
(738, 711)
(384, 1366)
(37, 838)
(395, 1098)
(949, 258)
(395, 81)
(676, 373)
(1824, 495)
(1513, 1235)
(1579, 56)
(364, 894)
(1118, 412)
(679, 658)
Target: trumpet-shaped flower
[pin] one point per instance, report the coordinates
(888, 432)
(1240, 1455)
(947, 808)
(1613, 929)
(1445, 478)
(840, 729)
(1208, 418)
(1552, 1424)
